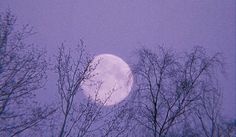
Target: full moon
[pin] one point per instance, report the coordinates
(111, 80)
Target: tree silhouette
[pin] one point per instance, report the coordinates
(22, 71)
(170, 88)
(81, 116)
(71, 74)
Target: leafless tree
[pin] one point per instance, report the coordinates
(206, 114)
(71, 73)
(153, 75)
(209, 114)
(80, 116)
(170, 87)
(209, 111)
(22, 71)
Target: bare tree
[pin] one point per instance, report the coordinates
(78, 117)
(153, 75)
(208, 112)
(22, 71)
(170, 87)
(71, 73)
(82, 116)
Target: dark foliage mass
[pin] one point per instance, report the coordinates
(175, 95)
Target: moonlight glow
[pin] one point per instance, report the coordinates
(111, 82)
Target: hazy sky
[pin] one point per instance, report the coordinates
(121, 26)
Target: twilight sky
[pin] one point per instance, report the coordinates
(119, 27)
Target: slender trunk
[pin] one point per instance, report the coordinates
(155, 120)
(64, 121)
(63, 126)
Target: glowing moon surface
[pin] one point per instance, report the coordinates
(111, 81)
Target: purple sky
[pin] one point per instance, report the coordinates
(119, 27)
